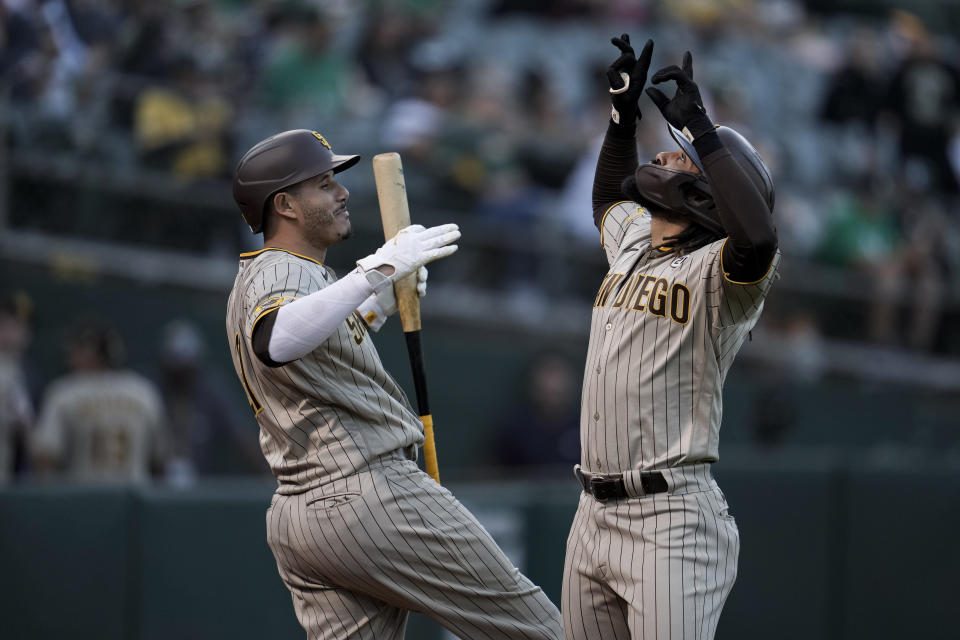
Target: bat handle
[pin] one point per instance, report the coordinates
(430, 448)
(415, 349)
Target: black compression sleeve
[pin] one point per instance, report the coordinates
(261, 339)
(752, 238)
(617, 161)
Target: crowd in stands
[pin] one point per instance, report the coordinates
(498, 109)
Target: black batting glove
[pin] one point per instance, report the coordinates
(626, 76)
(685, 108)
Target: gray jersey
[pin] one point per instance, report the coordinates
(664, 333)
(665, 330)
(330, 413)
(360, 534)
(102, 426)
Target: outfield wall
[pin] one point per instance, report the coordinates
(830, 552)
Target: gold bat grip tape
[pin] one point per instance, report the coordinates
(430, 448)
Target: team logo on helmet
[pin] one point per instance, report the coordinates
(322, 140)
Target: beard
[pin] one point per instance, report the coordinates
(668, 216)
(321, 227)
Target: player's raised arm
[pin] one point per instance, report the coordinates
(744, 198)
(618, 156)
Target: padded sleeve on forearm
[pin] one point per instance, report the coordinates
(743, 212)
(297, 328)
(617, 161)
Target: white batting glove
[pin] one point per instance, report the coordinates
(410, 249)
(378, 307)
(421, 282)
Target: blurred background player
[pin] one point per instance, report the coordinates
(542, 428)
(206, 434)
(100, 422)
(16, 405)
(653, 550)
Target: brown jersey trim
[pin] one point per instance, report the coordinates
(773, 259)
(603, 218)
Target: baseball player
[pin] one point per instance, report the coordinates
(361, 536)
(100, 422)
(652, 551)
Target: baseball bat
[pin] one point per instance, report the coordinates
(395, 213)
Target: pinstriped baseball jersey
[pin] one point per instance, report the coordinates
(658, 567)
(360, 534)
(665, 330)
(328, 414)
(358, 553)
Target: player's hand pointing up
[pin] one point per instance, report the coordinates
(626, 76)
(685, 108)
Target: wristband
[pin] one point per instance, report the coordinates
(697, 126)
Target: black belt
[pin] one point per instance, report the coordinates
(604, 488)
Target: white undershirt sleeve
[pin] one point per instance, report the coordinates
(301, 326)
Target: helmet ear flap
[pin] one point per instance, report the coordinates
(695, 196)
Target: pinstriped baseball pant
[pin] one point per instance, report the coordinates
(358, 553)
(657, 567)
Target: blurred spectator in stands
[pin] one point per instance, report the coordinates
(413, 125)
(143, 50)
(384, 51)
(203, 28)
(923, 99)
(306, 75)
(206, 436)
(72, 104)
(16, 405)
(913, 286)
(543, 426)
(547, 146)
(901, 258)
(550, 9)
(860, 233)
(99, 422)
(183, 124)
(854, 91)
(786, 380)
(490, 133)
(861, 228)
(23, 40)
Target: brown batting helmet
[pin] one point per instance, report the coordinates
(278, 162)
(689, 193)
